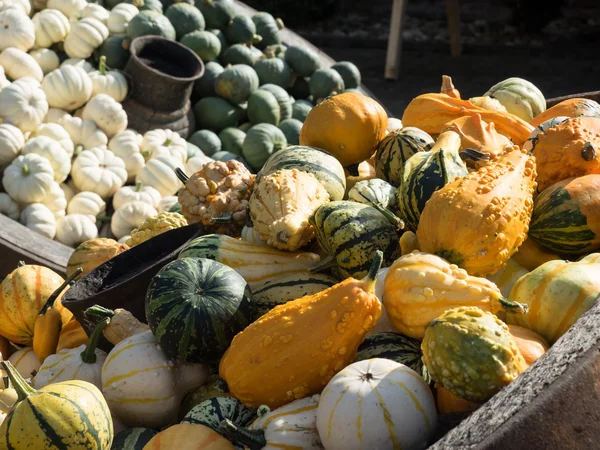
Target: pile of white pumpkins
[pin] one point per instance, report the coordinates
(65, 150)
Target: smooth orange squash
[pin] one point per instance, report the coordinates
(186, 436)
(448, 403)
(531, 345)
(572, 107)
(348, 125)
(531, 255)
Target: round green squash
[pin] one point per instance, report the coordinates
(325, 82)
(349, 73)
(116, 51)
(217, 13)
(262, 141)
(263, 107)
(374, 191)
(302, 60)
(273, 70)
(291, 128)
(241, 30)
(204, 43)
(132, 438)
(207, 141)
(185, 18)
(300, 88)
(193, 150)
(300, 109)
(205, 85)
(215, 113)
(150, 23)
(236, 83)
(239, 54)
(213, 411)
(267, 28)
(232, 140)
(283, 98)
(195, 306)
(221, 36)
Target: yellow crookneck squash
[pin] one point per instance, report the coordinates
(420, 286)
(486, 214)
(296, 348)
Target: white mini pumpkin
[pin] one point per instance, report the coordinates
(56, 132)
(164, 142)
(23, 104)
(55, 115)
(120, 16)
(19, 64)
(67, 7)
(137, 193)
(74, 229)
(391, 402)
(47, 59)
(53, 152)
(28, 179)
(68, 191)
(39, 218)
(12, 141)
(84, 133)
(99, 170)
(107, 113)
(9, 207)
(79, 62)
(195, 163)
(159, 173)
(85, 37)
(167, 203)
(130, 216)
(126, 145)
(22, 5)
(88, 203)
(249, 234)
(16, 30)
(109, 82)
(51, 27)
(68, 88)
(3, 80)
(56, 201)
(91, 10)
(25, 362)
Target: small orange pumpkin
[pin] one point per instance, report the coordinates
(186, 436)
(531, 255)
(448, 403)
(572, 107)
(348, 125)
(531, 345)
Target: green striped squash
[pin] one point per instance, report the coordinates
(396, 148)
(213, 411)
(566, 216)
(195, 306)
(352, 232)
(286, 288)
(132, 438)
(533, 138)
(374, 191)
(426, 172)
(214, 387)
(321, 164)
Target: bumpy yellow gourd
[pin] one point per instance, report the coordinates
(296, 348)
(420, 286)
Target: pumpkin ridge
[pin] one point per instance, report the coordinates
(387, 419)
(564, 323)
(19, 301)
(56, 375)
(51, 434)
(337, 402)
(412, 397)
(112, 355)
(132, 373)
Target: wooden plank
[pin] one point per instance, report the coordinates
(394, 47)
(453, 13)
(594, 95)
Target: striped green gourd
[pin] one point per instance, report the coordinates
(321, 164)
(566, 216)
(215, 386)
(132, 438)
(426, 172)
(195, 306)
(395, 149)
(213, 411)
(351, 233)
(374, 191)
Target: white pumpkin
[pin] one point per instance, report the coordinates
(249, 234)
(84, 133)
(39, 218)
(9, 207)
(67, 7)
(11, 143)
(47, 59)
(137, 193)
(130, 216)
(107, 113)
(28, 179)
(3, 80)
(22, 5)
(126, 145)
(25, 362)
(376, 403)
(56, 201)
(85, 37)
(51, 27)
(120, 16)
(19, 64)
(79, 62)
(91, 10)
(99, 170)
(16, 30)
(195, 163)
(166, 203)
(124, 239)
(56, 132)
(88, 203)
(55, 115)
(68, 191)
(23, 104)
(109, 82)
(68, 88)
(74, 229)
(393, 124)
(53, 152)
(383, 324)
(164, 142)
(159, 173)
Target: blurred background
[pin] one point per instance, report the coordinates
(555, 44)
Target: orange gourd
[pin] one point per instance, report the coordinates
(186, 436)
(572, 107)
(485, 214)
(531, 255)
(531, 345)
(348, 125)
(93, 253)
(448, 403)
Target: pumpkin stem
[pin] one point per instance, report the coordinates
(181, 175)
(50, 302)
(448, 87)
(371, 278)
(19, 384)
(256, 39)
(25, 170)
(102, 65)
(88, 356)
(99, 312)
(21, 264)
(138, 186)
(390, 216)
(513, 307)
(78, 149)
(253, 439)
(589, 152)
(279, 23)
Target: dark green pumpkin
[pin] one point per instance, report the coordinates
(302, 60)
(228, 156)
(300, 88)
(205, 85)
(232, 140)
(396, 148)
(224, 44)
(291, 128)
(263, 107)
(214, 387)
(268, 28)
(217, 13)
(207, 141)
(116, 51)
(349, 73)
(283, 98)
(185, 18)
(150, 23)
(213, 411)
(273, 70)
(195, 306)
(215, 113)
(261, 142)
(236, 83)
(240, 54)
(132, 438)
(300, 109)
(241, 30)
(204, 43)
(325, 82)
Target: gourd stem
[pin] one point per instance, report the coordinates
(21, 264)
(253, 439)
(181, 175)
(390, 216)
(102, 65)
(138, 186)
(78, 149)
(99, 312)
(18, 383)
(513, 307)
(88, 356)
(25, 170)
(280, 23)
(50, 302)
(369, 281)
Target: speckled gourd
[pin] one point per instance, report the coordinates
(471, 353)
